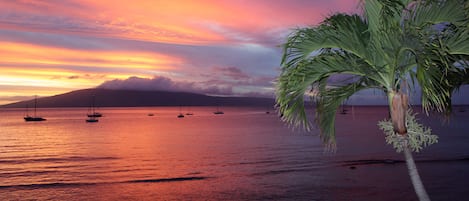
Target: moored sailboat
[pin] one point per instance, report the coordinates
(189, 112)
(180, 113)
(218, 111)
(93, 116)
(92, 120)
(35, 117)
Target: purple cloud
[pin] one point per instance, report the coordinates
(217, 87)
(231, 72)
(241, 82)
(160, 83)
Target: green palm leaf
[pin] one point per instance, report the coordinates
(394, 41)
(306, 42)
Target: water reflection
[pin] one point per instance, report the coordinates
(242, 155)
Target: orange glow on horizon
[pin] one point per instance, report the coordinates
(36, 62)
(59, 70)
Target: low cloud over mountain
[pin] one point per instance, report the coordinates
(222, 81)
(160, 83)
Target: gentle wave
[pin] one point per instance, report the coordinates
(26, 173)
(167, 179)
(49, 185)
(283, 171)
(258, 162)
(371, 162)
(393, 161)
(79, 184)
(56, 160)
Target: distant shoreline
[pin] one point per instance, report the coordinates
(134, 98)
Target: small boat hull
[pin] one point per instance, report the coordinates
(92, 120)
(96, 114)
(28, 118)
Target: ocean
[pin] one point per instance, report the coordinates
(244, 154)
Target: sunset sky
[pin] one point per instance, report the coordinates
(217, 47)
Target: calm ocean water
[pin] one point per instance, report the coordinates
(244, 154)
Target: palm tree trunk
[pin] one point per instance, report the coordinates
(398, 105)
(414, 174)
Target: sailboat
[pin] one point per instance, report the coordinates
(93, 112)
(180, 113)
(218, 111)
(92, 119)
(462, 109)
(267, 111)
(93, 116)
(35, 117)
(343, 110)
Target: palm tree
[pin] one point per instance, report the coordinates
(394, 46)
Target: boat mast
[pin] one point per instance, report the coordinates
(27, 110)
(35, 105)
(92, 106)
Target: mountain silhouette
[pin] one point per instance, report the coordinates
(135, 98)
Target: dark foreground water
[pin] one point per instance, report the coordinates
(244, 154)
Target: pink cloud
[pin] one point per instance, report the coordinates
(183, 22)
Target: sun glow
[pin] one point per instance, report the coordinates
(33, 54)
(30, 65)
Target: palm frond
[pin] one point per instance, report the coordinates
(386, 41)
(383, 16)
(329, 100)
(440, 49)
(380, 14)
(427, 13)
(294, 82)
(436, 93)
(458, 43)
(306, 42)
